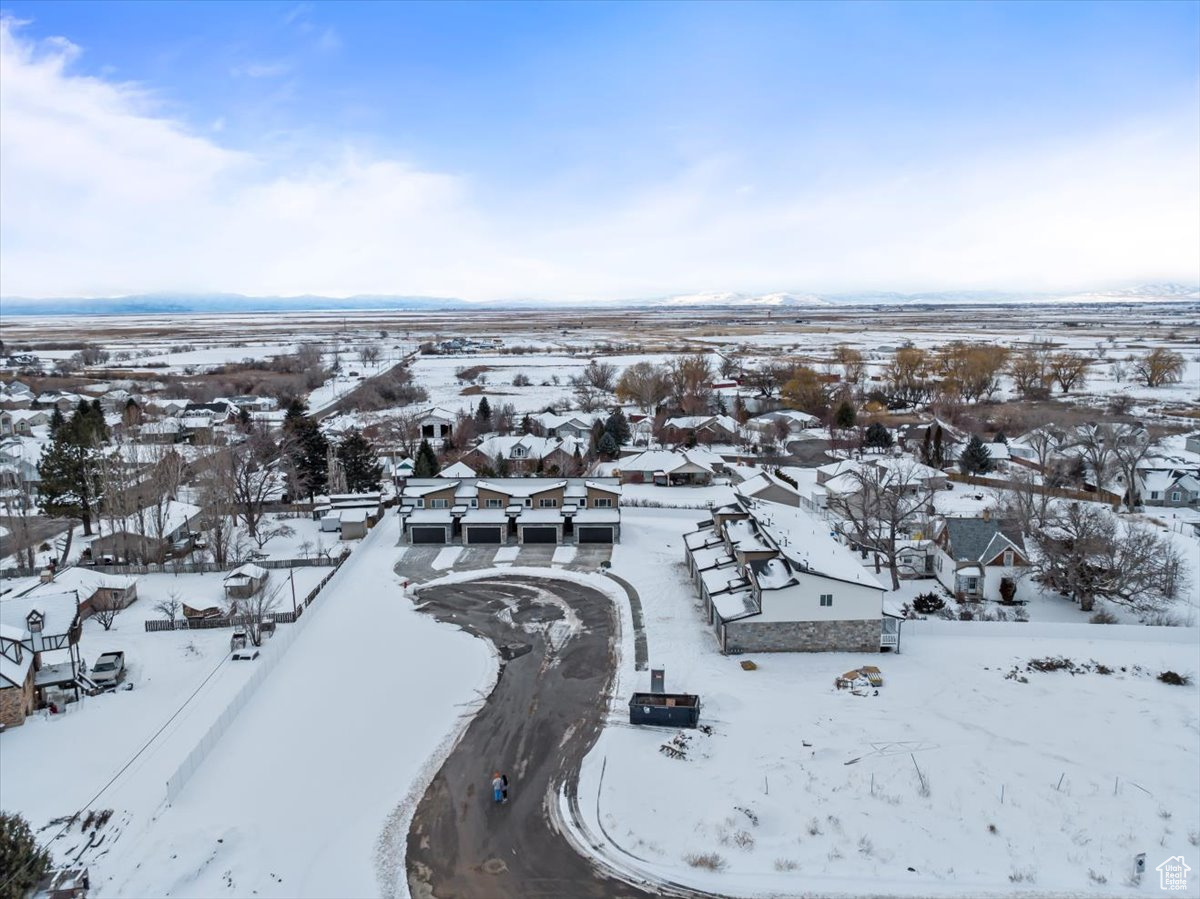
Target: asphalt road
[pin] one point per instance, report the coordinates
(543, 716)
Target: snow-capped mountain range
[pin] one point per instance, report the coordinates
(182, 304)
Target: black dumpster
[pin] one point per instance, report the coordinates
(665, 709)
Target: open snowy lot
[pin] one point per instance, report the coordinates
(966, 775)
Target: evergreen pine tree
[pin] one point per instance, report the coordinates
(57, 420)
(309, 452)
(426, 463)
(357, 455)
(526, 425)
(70, 468)
(927, 448)
(939, 451)
(846, 416)
(608, 445)
(1001, 437)
(503, 469)
(878, 437)
(483, 414)
(22, 862)
(975, 458)
(618, 426)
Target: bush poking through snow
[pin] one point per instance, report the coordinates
(785, 864)
(1103, 617)
(1023, 875)
(1194, 838)
(865, 846)
(928, 603)
(749, 814)
(1099, 879)
(743, 839)
(1177, 680)
(992, 829)
(814, 828)
(710, 861)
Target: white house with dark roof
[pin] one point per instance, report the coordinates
(774, 578)
(973, 557)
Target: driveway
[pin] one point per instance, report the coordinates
(539, 722)
(416, 564)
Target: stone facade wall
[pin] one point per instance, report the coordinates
(16, 703)
(803, 636)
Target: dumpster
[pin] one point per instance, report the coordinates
(665, 709)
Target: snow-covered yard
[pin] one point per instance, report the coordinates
(956, 779)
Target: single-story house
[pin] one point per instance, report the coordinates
(149, 535)
(524, 453)
(572, 424)
(975, 557)
(670, 468)
(770, 423)
(707, 429)
(95, 589)
(245, 580)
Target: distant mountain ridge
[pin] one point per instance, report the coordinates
(201, 304)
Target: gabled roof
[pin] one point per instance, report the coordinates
(457, 470)
(974, 539)
(249, 571)
(59, 611)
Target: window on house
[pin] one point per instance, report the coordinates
(548, 503)
(827, 599)
(420, 504)
(1155, 494)
(528, 502)
(1008, 558)
(495, 504)
(972, 584)
(518, 452)
(605, 503)
(474, 504)
(583, 502)
(1175, 496)
(440, 504)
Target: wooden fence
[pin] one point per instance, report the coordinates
(975, 480)
(213, 567)
(185, 624)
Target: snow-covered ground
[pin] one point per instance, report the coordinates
(306, 794)
(954, 780)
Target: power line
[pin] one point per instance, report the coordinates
(113, 779)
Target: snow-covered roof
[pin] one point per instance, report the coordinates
(86, 581)
(58, 611)
(724, 579)
(485, 516)
(711, 556)
(540, 516)
(527, 446)
(598, 516)
(734, 604)
(249, 571)
(457, 470)
(703, 537)
(692, 422)
(521, 486)
(13, 674)
(174, 516)
(430, 516)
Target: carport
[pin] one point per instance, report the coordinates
(429, 526)
(598, 526)
(540, 526)
(485, 526)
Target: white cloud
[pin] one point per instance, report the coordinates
(260, 70)
(100, 194)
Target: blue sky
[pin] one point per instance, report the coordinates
(597, 150)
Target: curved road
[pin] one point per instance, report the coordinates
(556, 640)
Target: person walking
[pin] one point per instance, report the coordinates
(504, 780)
(497, 787)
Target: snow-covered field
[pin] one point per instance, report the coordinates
(954, 780)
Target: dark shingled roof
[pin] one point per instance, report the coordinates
(969, 538)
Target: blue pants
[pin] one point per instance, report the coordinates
(498, 795)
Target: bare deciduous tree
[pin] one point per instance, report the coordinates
(368, 353)
(1069, 369)
(169, 608)
(106, 608)
(645, 384)
(1086, 552)
(256, 609)
(885, 506)
(600, 375)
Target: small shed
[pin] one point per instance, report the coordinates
(331, 522)
(244, 581)
(354, 523)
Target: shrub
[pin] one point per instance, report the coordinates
(1175, 679)
(1103, 617)
(712, 861)
(22, 862)
(928, 603)
(785, 864)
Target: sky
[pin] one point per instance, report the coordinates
(584, 151)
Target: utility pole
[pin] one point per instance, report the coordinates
(292, 580)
